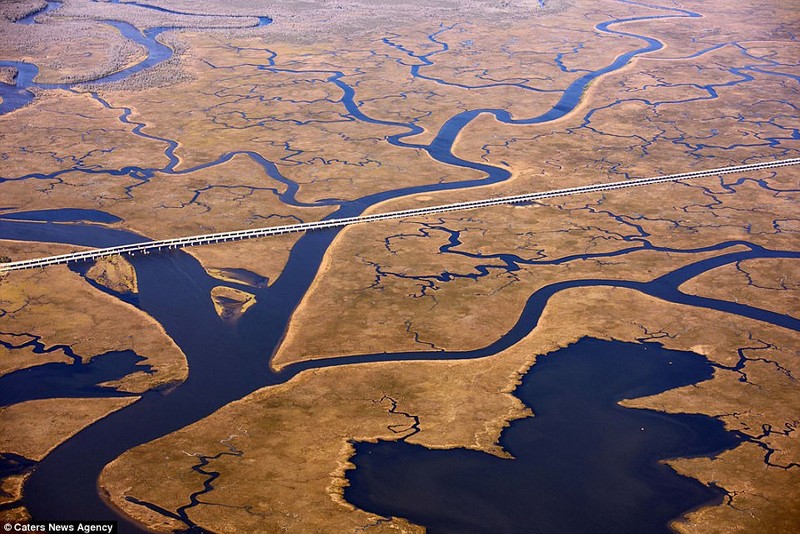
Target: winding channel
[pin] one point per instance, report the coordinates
(19, 95)
(174, 290)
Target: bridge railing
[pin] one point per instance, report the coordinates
(220, 237)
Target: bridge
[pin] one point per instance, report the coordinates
(222, 237)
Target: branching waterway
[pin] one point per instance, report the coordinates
(174, 289)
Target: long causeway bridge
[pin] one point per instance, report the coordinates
(222, 237)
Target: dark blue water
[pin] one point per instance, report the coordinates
(17, 95)
(156, 52)
(86, 235)
(62, 380)
(62, 215)
(13, 464)
(582, 464)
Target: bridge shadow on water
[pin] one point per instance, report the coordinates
(583, 463)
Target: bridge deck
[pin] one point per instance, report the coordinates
(222, 237)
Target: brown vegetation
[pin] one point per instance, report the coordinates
(34, 428)
(391, 297)
(60, 308)
(15, 515)
(8, 75)
(56, 129)
(459, 404)
(314, 21)
(231, 303)
(116, 273)
(12, 10)
(144, 18)
(768, 284)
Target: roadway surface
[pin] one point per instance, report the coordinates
(221, 237)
